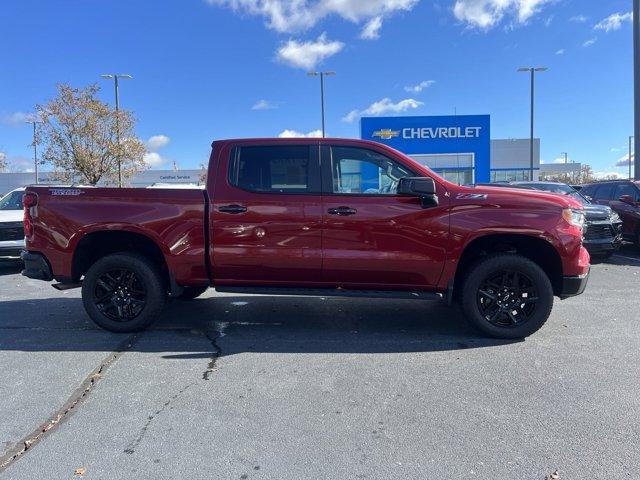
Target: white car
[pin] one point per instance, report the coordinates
(11, 228)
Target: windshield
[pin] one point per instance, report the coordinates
(12, 201)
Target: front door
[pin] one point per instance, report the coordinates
(373, 237)
(265, 215)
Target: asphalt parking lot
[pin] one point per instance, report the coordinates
(252, 387)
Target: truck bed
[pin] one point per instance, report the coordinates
(172, 218)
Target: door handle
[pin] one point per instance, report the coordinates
(342, 211)
(234, 209)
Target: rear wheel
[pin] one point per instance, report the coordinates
(507, 296)
(189, 293)
(123, 292)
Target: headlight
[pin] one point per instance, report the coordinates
(615, 218)
(574, 217)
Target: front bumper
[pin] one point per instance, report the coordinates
(572, 286)
(36, 266)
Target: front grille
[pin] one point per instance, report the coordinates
(598, 232)
(11, 231)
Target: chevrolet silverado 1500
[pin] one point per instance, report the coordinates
(329, 217)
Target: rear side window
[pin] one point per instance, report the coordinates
(274, 169)
(605, 191)
(626, 189)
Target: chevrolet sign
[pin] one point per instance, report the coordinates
(386, 134)
(441, 132)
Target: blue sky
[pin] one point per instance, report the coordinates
(207, 69)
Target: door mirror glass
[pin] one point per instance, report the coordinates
(417, 186)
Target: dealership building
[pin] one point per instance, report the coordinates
(458, 147)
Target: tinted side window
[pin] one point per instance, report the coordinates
(605, 191)
(362, 171)
(12, 201)
(272, 169)
(626, 189)
(588, 191)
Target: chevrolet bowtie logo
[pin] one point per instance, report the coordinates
(386, 134)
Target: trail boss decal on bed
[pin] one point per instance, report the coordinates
(65, 191)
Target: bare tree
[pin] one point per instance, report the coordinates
(202, 176)
(3, 161)
(79, 133)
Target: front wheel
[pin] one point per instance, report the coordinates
(123, 292)
(507, 296)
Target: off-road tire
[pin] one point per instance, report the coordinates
(147, 279)
(533, 314)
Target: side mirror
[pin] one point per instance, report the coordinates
(423, 187)
(417, 186)
(627, 199)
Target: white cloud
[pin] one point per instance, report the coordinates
(17, 118)
(560, 52)
(371, 30)
(614, 21)
(264, 105)
(154, 159)
(296, 134)
(156, 142)
(486, 14)
(290, 16)
(382, 107)
(624, 161)
(17, 164)
(307, 55)
(590, 42)
(607, 175)
(419, 87)
(579, 19)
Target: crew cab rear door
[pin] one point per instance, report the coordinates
(373, 237)
(265, 215)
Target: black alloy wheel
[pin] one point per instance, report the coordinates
(506, 295)
(124, 292)
(120, 295)
(507, 298)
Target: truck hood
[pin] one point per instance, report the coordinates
(521, 195)
(597, 212)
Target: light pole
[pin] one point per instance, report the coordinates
(533, 71)
(322, 75)
(630, 154)
(636, 82)
(34, 122)
(115, 77)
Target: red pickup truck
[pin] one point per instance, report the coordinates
(321, 217)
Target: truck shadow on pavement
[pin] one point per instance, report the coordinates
(239, 324)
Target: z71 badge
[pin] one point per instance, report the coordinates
(472, 196)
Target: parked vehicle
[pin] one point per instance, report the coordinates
(623, 196)
(11, 231)
(603, 226)
(325, 217)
